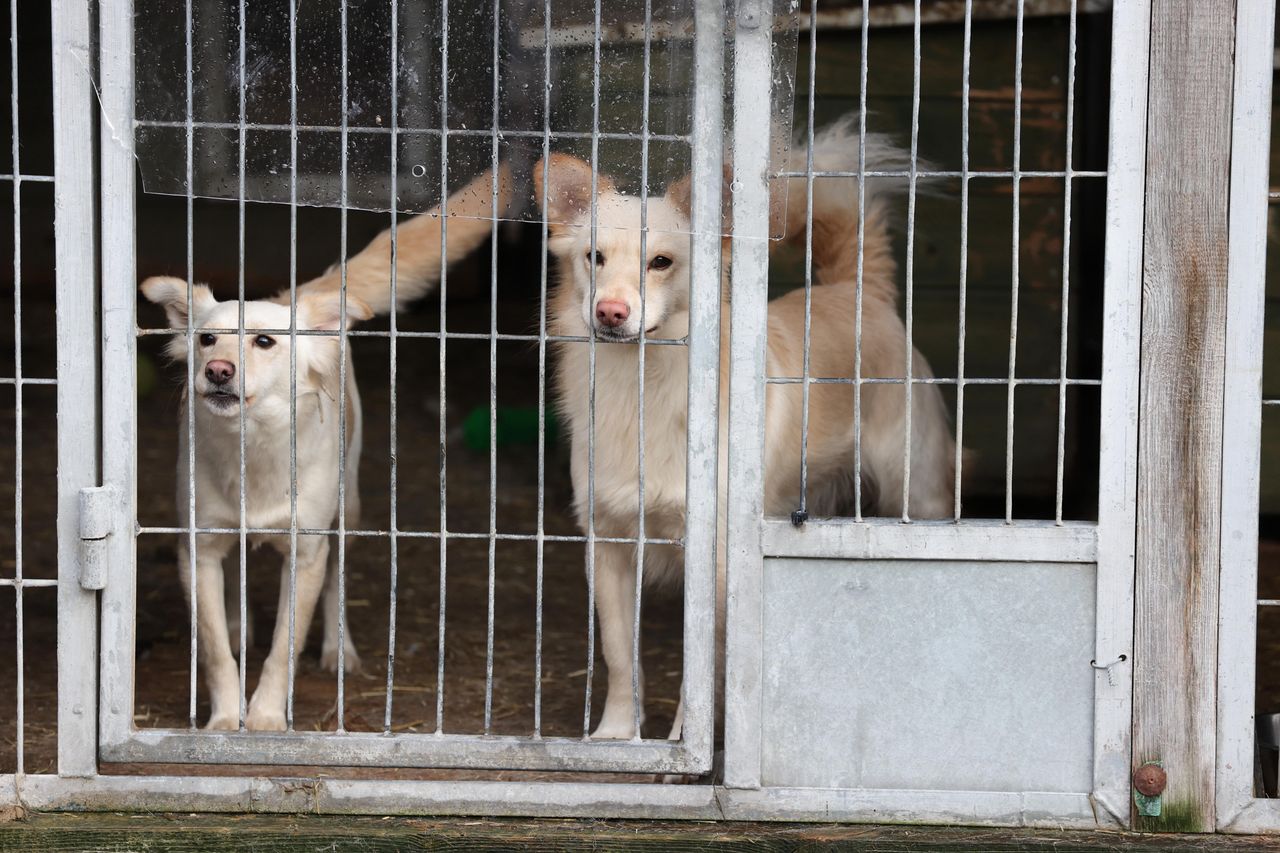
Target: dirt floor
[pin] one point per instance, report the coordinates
(163, 650)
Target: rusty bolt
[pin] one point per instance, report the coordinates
(1150, 780)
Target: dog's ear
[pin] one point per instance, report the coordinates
(566, 190)
(323, 311)
(171, 294)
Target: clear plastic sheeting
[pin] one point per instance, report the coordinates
(439, 109)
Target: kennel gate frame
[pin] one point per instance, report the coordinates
(754, 537)
(119, 740)
(1238, 808)
(78, 787)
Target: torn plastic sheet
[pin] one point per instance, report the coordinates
(433, 106)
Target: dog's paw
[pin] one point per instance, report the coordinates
(351, 661)
(263, 720)
(223, 723)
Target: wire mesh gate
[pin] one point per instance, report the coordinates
(121, 739)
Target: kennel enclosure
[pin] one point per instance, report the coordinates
(1014, 667)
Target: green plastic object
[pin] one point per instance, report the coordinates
(516, 426)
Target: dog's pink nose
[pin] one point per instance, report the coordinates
(219, 371)
(612, 312)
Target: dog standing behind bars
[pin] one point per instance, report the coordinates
(613, 316)
(257, 391)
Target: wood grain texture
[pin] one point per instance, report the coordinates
(309, 833)
(1181, 386)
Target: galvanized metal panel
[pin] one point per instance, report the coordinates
(916, 675)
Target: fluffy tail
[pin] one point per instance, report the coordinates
(835, 203)
(469, 214)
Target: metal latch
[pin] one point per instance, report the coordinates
(97, 522)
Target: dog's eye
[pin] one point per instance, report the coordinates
(660, 262)
(599, 258)
(208, 340)
(264, 342)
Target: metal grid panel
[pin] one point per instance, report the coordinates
(913, 175)
(121, 741)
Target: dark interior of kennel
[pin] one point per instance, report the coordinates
(163, 672)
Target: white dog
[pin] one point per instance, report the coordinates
(262, 386)
(613, 317)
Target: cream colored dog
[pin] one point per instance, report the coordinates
(613, 317)
(261, 386)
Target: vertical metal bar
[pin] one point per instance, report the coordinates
(193, 595)
(75, 253)
(293, 359)
(244, 543)
(637, 706)
(1118, 436)
(493, 376)
(1068, 179)
(1242, 411)
(808, 264)
(119, 360)
(342, 386)
(15, 153)
(444, 406)
(542, 372)
(858, 282)
(591, 378)
(908, 365)
(752, 67)
(703, 435)
(395, 479)
(962, 309)
(1016, 239)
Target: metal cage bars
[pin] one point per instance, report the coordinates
(692, 754)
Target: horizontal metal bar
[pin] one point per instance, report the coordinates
(399, 333)
(27, 380)
(939, 173)
(485, 133)
(27, 583)
(23, 179)
(890, 539)
(1271, 402)
(378, 749)
(408, 534)
(1269, 602)
(304, 795)
(925, 380)
(280, 793)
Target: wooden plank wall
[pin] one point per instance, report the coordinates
(1180, 431)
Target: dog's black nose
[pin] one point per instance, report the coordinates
(219, 371)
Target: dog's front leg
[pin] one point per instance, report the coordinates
(267, 708)
(220, 672)
(333, 615)
(616, 604)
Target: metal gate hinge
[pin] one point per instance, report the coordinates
(97, 523)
